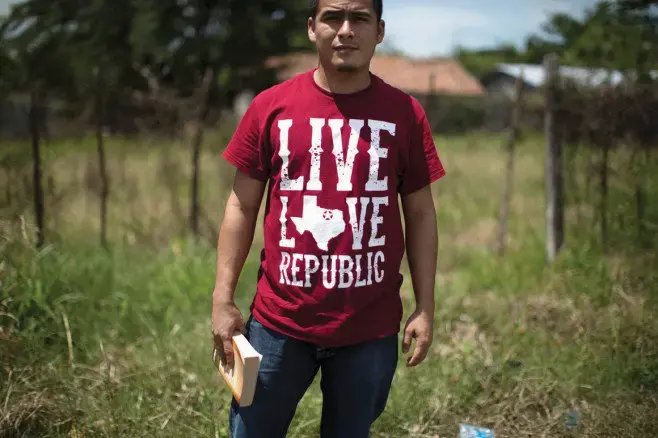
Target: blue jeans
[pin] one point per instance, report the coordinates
(355, 385)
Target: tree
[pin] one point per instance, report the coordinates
(103, 67)
(616, 35)
(178, 42)
(32, 35)
(563, 28)
(481, 62)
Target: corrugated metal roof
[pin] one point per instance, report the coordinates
(535, 75)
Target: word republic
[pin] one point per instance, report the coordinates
(335, 271)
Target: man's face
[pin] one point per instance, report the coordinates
(346, 33)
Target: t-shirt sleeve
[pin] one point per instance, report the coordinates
(248, 149)
(423, 165)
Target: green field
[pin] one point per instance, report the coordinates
(518, 344)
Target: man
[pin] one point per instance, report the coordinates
(335, 147)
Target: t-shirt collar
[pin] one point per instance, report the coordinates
(310, 76)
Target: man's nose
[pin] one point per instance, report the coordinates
(346, 29)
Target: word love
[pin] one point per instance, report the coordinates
(344, 164)
(324, 224)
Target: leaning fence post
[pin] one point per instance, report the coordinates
(514, 127)
(553, 169)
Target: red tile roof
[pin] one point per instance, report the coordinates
(411, 75)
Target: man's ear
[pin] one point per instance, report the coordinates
(381, 31)
(311, 29)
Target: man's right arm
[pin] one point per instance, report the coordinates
(235, 238)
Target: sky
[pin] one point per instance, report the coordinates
(434, 27)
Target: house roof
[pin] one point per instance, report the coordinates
(444, 75)
(535, 75)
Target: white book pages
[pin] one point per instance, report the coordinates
(242, 377)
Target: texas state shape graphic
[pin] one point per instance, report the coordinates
(323, 224)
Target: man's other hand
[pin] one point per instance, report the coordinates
(418, 327)
(226, 320)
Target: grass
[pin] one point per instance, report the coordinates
(519, 345)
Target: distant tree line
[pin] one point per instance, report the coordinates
(620, 35)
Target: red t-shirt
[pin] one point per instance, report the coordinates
(333, 236)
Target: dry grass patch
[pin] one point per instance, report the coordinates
(482, 235)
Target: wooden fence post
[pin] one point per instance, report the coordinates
(509, 172)
(430, 100)
(37, 183)
(100, 148)
(553, 169)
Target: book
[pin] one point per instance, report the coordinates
(242, 376)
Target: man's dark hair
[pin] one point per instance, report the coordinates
(377, 4)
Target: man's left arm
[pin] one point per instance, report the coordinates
(421, 245)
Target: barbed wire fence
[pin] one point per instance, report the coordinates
(601, 138)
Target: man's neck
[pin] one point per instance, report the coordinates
(342, 82)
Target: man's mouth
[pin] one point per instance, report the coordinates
(344, 48)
